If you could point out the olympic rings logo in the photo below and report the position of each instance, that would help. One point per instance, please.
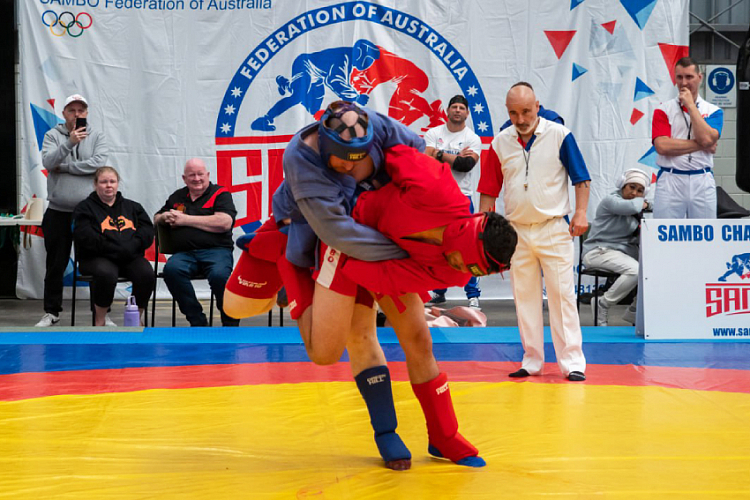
(66, 23)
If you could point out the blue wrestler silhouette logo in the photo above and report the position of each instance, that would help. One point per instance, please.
(739, 265)
(352, 73)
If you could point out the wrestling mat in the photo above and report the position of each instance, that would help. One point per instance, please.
(240, 413)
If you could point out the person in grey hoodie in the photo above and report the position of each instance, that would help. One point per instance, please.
(613, 241)
(71, 153)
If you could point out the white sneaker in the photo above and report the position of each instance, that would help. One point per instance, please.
(474, 302)
(48, 319)
(603, 311)
(629, 315)
(108, 321)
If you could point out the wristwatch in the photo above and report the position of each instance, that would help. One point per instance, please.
(439, 155)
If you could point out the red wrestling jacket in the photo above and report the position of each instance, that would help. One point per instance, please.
(422, 195)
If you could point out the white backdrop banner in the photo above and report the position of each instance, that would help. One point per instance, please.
(710, 259)
(232, 80)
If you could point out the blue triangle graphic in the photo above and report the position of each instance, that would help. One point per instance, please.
(578, 71)
(43, 122)
(641, 90)
(68, 275)
(639, 10)
(649, 158)
(575, 3)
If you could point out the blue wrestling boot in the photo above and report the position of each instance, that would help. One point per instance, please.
(474, 461)
(375, 386)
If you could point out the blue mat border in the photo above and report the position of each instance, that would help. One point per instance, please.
(290, 335)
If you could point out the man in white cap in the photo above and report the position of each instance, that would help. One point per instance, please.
(71, 153)
(612, 244)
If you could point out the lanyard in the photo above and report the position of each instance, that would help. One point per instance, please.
(689, 125)
(526, 158)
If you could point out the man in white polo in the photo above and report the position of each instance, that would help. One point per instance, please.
(685, 132)
(457, 145)
(535, 160)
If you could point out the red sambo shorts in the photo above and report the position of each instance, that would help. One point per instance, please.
(329, 275)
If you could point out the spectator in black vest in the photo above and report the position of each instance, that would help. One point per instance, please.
(201, 216)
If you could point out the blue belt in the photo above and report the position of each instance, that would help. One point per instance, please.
(706, 170)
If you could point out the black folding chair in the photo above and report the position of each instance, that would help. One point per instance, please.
(90, 280)
(281, 317)
(596, 273)
(164, 246)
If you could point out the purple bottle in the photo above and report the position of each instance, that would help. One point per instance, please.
(132, 314)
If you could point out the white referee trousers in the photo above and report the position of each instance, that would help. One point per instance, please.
(680, 196)
(618, 262)
(546, 247)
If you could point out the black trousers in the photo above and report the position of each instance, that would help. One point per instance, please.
(58, 239)
(105, 273)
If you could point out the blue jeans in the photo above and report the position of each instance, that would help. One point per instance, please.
(472, 287)
(215, 264)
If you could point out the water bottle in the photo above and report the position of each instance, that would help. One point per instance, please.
(132, 314)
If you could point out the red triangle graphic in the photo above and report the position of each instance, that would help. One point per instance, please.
(150, 253)
(610, 26)
(51, 103)
(653, 178)
(560, 40)
(637, 115)
(672, 54)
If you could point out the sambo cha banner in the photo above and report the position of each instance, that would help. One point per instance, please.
(232, 80)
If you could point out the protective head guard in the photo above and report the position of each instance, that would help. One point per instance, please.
(330, 142)
(467, 236)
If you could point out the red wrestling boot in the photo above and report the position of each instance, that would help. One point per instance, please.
(442, 427)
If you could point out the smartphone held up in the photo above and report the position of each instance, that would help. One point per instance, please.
(80, 123)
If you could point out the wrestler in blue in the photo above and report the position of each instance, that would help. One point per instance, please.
(327, 165)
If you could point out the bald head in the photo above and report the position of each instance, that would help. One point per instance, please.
(195, 176)
(194, 163)
(523, 109)
(520, 93)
